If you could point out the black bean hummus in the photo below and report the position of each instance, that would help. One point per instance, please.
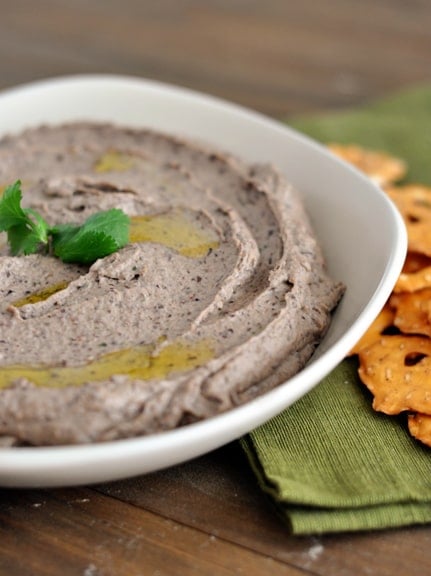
(220, 295)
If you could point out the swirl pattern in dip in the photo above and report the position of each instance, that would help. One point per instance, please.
(220, 295)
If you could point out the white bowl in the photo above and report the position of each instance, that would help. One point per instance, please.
(361, 233)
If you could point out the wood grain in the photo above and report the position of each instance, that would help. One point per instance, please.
(204, 517)
(281, 57)
(213, 488)
(84, 532)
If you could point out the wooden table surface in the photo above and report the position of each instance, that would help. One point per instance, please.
(281, 57)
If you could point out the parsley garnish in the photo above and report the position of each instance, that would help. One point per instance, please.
(27, 232)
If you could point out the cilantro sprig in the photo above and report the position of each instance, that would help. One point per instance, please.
(27, 232)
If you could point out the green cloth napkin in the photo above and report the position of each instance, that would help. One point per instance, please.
(329, 462)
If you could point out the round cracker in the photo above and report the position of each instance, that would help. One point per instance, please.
(416, 273)
(382, 323)
(412, 311)
(381, 167)
(420, 427)
(414, 203)
(397, 371)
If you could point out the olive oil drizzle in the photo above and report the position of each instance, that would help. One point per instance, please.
(174, 230)
(114, 161)
(139, 362)
(40, 295)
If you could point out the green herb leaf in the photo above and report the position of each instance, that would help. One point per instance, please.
(26, 229)
(22, 240)
(11, 212)
(100, 235)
